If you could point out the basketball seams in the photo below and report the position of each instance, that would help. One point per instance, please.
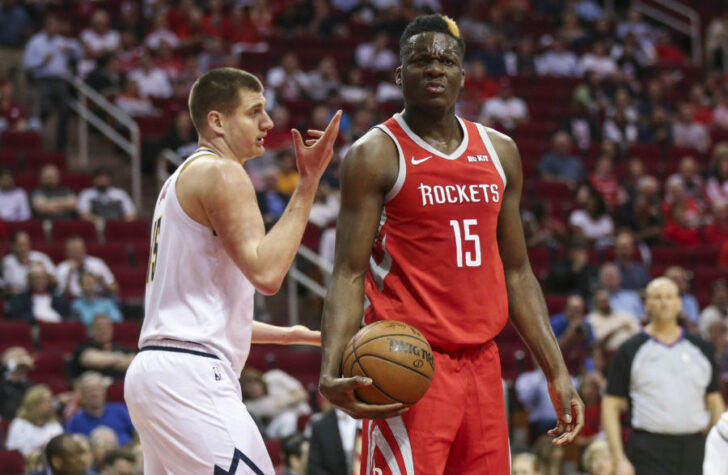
(390, 335)
(393, 362)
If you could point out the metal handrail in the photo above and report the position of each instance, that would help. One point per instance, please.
(131, 146)
(691, 27)
(296, 277)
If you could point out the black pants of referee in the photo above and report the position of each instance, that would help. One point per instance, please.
(663, 454)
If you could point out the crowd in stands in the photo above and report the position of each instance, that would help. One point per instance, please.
(624, 144)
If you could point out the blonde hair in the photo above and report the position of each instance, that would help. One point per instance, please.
(452, 26)
(28, 409)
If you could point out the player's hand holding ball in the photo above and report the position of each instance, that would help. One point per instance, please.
(387, 366)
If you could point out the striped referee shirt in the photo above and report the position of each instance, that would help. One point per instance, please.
(665, 384)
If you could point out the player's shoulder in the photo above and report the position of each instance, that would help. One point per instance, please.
(502, 143)
(372, 144)
(373, 155)
(211, 171)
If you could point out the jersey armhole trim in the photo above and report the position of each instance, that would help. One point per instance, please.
(186, 218)
(402, 172)
(491, 151)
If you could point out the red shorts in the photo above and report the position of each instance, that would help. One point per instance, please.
(458, 427)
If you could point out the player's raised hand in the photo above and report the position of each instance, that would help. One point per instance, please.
(569, 409)
(313, 156)
(340, 392)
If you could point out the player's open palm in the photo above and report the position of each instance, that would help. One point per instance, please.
(569, 409)
(313, 156)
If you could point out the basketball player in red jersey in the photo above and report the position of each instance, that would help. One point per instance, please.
(430, 230)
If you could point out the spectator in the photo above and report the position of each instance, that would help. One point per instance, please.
(559, 164)
(634, 25)
(99, 353)
(287, 173)
(658, 130)
(716, 233)
(107, 77)
(324, 80)
(679, 229)
(119, 462)
(504, 109)
(677, 196)
(214, 55)
(590, 94)
(718, 337)
(631, 61)
(15, 364)
(100, 40)
(532, 391)
(590, 391)
(50, 200)
(14, 204)
(47, 58)
(103, 440)
(667, 52)
(152, 81)
(333, 444)
(272, 202)
(620, 300)
(604, 180)
(557, 61)
(717, 310)
(582, 125)
(701, 104)
(12, 113)
(161, 32)
(38, 303)
(275, 397)
(590, 221)
(690, 306)
(522, 61)
(716, 41)
(655, 372)
(596, 459)
(16, 265)
(479, 86)
(620, 129)
(598, 61)
(95, 411)
(655, 99)
(77, 261)
(132, 102)
(15, 28)
(632, 272)
(573, 274)
(130, 52)
(35, 423)
(571, 30)
(573, 331)
(90, 304)
(240, 31)
(611, 328)
(688, 133)
(689, 173)
(541, 227)
(286, 82)
(526, 463)
(105, 202)
(376, 54)
(354, 91)
(295, 449)
(169, 63)
(720, 113)
(716, 188)
(491, 54)
(67, 454)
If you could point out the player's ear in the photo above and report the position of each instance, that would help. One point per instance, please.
(398, 76)
(462, 77)
(215, 122)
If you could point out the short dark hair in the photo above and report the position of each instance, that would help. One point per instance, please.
(430, 24)
(113, 455)
(291, 446)
(54, 448)
(103, 171)
(219, 90)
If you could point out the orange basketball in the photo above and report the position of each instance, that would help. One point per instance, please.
(396, 357)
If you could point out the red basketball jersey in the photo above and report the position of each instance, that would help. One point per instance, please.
(435, 262)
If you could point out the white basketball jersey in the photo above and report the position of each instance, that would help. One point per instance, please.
(194, 291)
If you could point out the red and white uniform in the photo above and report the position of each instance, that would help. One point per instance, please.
(435, 264)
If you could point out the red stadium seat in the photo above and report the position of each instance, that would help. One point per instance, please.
(35, 159)
(21, 141)
(9, 160)
(63, 336)
(127, 334)
(115, 393)
(11, 462)
(152, 128)
(33, 227)
(274, 450)
(114, 254)
(555, 303)
(707, 256)
(55, 250)
(673, 256)
(132, 281)
(50, 369)
(76, 181)
(126, 230)
(75, 227)
(15, 334)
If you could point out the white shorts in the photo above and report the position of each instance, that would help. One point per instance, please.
(187, 407)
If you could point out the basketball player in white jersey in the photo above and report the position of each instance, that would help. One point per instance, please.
(209, 253)
(716, 448)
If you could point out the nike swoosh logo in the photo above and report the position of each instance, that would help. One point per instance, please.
(421, 160)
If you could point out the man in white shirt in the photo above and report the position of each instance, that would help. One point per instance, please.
(376, 55)
(599, 61)
(505, 108)
(77, 261)
(99, 40)
(16, 265)
(14, 205)
(688, 133)
(610, 328)
(105, 202)
(557, 61)
(152, 81)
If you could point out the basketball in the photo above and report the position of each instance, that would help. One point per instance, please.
(396, 357)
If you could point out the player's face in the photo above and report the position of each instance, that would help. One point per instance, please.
(246, 127)
(432, 73)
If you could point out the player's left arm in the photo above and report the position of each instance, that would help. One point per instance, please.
(526, 303)
(716, 407)
(295, 335)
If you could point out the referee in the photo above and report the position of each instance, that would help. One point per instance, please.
(671, 381)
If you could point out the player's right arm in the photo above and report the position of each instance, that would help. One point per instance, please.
(368, 172)
(611, 410)
(218, 193)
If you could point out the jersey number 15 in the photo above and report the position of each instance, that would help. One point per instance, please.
(471, 258)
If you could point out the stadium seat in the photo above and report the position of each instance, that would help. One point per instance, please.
(63, 336)
(76, 181)
(274, 450)
(21, 141)
(15, 334)
(9, 160)
(35, 159)
(50, 369)
(555, 303)
(152, 128)
(115, 393)
(132, 281)
(11, 462)
(674, 256)
(33, 227)
(706, 256)
(127, 334)
(55, 250)
(125, 231)
(114, 254)
(63, 229)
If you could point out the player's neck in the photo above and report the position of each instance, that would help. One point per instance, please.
(428, 124)
(219, 146)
